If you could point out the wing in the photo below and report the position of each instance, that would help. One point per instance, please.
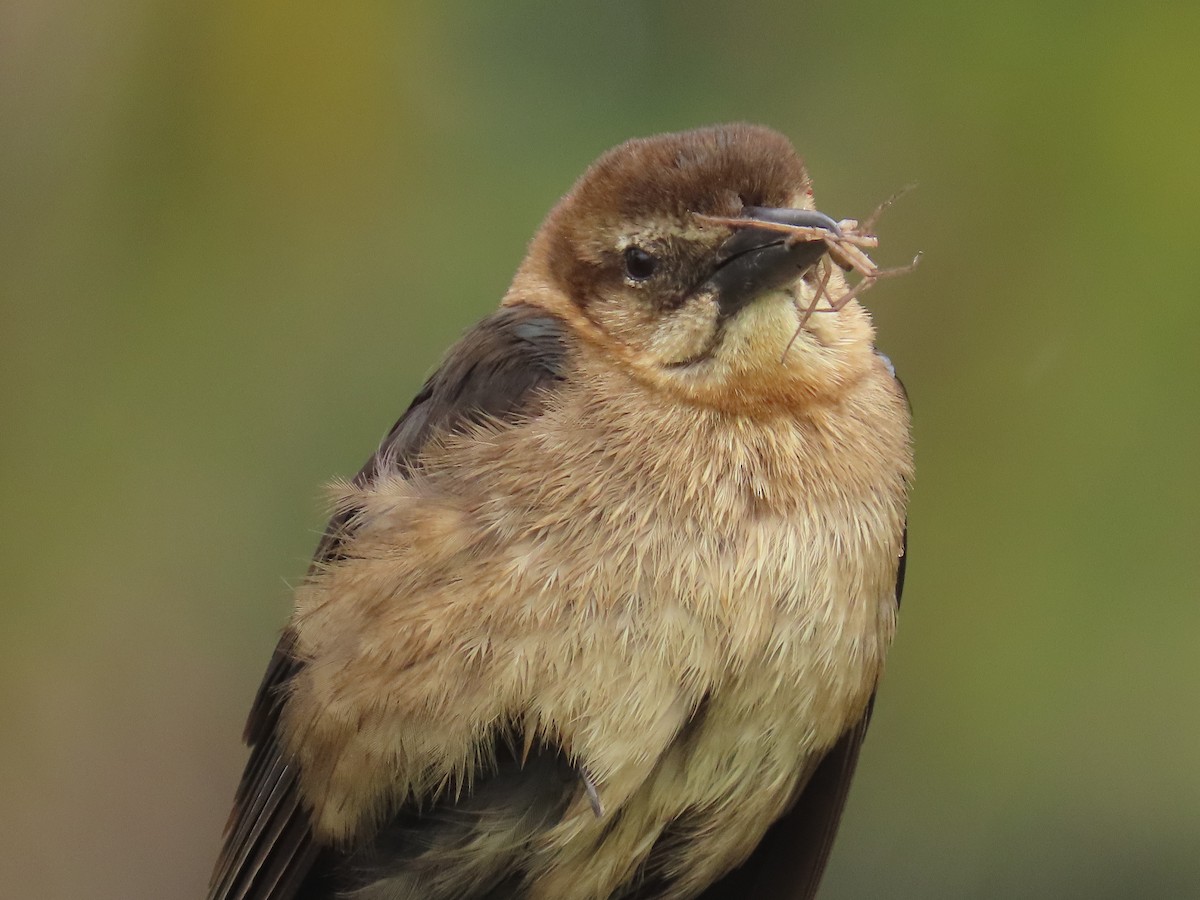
(499, 370)
(789, 861)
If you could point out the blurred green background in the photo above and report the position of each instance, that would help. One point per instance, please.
(235, 235)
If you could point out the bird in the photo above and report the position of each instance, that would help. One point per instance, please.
(605, 614)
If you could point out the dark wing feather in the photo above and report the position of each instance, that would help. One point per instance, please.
(789, 861)
(497, 371)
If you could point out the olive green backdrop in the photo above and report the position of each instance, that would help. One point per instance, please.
(235, 235)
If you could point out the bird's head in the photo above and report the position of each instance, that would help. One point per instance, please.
(700, 308)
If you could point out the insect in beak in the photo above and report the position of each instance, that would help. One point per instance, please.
(846, 244)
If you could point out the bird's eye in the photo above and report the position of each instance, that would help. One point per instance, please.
(640, 264)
